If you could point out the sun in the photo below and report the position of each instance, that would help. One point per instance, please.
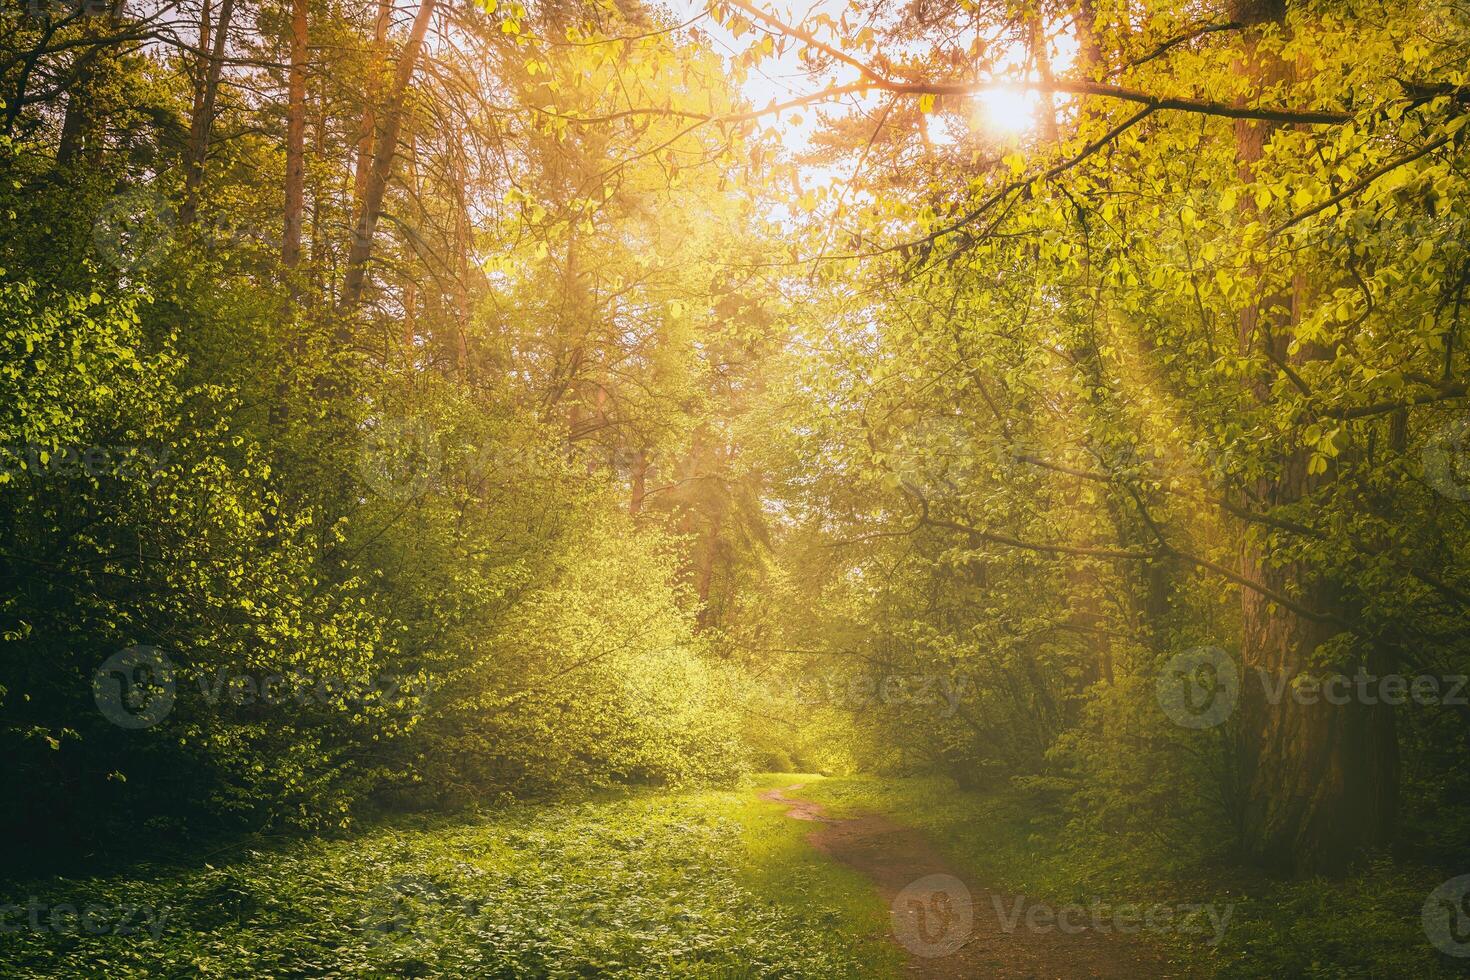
(1006, 109)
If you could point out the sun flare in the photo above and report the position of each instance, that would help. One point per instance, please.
(1006, 110)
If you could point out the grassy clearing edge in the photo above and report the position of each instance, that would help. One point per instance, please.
(697, 883)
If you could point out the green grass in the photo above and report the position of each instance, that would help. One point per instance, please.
(695, 884)
(709, 883)
(1367, 925)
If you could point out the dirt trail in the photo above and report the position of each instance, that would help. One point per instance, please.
(947, 926)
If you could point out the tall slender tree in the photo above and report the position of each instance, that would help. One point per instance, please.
(295, 137)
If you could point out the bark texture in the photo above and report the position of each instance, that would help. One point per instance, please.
(1318, 779)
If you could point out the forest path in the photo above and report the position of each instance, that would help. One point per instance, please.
(947, 926)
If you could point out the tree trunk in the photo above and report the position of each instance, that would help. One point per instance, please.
(638, 483)
(1319, 780)
(708, 554)
(201, 58)
(81, 127)
(74, 125)
(369, 108)
(385, 148)
(410, 297)
(1089, 51)
(295, 138)
(1042, 59)
(203, 120)
(463, 235)
(319, 254)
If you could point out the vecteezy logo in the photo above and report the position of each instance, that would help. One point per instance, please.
(1446, 917)
(400, 457)
(1199, 688)
(134, 688)
(933, 916)
(133, 228)
(1446, 458)
(47, 10)
(395, 907)
(935, 458)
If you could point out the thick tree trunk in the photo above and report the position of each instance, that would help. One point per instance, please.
(295, 138)
(82, 126)
(384, 150)
(75, 123)
(1319, 780)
